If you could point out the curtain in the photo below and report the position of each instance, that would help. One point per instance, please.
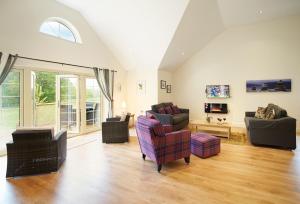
(6, 66)
(105, 79)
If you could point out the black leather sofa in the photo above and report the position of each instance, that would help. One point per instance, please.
(178, 121)
(278, 132)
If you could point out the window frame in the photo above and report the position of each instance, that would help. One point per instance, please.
(65, 23)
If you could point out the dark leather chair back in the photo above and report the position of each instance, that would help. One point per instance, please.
(21, 136)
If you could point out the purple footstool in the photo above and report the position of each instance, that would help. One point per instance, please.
(204, 145)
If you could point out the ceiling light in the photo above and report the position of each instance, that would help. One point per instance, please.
(182, 53)
(260, 12)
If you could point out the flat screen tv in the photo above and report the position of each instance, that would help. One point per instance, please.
(217, 91)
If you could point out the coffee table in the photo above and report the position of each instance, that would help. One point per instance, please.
(217, 129)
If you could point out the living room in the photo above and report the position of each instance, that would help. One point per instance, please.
(193, 100)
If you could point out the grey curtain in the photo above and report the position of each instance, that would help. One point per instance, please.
(105, 79)
(5, 67)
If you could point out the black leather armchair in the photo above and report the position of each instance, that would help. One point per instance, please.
(279, 132)
(35, 152)
(115, 131)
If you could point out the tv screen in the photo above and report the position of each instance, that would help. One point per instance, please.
(217, 91)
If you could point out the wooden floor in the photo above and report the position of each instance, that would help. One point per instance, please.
(115, 173)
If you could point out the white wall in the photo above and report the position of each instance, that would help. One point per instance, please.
(267, 50)
(20, 22)
(139, 103)
(163, 96)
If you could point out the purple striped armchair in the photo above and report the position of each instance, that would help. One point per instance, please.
(160, 144)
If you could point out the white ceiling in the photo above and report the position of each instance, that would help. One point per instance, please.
(137, 32)
(152, 34)
(241, 12)
(200, 24)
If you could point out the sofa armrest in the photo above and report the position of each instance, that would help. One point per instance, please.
(168, 128)
(184, 110)
(164, 119)
(249, 114)
(61, 135)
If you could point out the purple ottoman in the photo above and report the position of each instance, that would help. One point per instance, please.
(204, 145)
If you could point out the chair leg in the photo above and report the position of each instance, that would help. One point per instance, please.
(144, 156)
(159, 167)
(187, 160)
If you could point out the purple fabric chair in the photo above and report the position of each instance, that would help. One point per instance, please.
(160, 144)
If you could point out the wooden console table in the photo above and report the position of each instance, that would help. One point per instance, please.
(221, 130)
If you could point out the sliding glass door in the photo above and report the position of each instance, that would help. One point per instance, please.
(10, 107)
(44, 98)
(67, 94)
(92, 104)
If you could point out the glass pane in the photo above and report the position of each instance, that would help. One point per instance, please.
(9, 108)
(57, 29)
(66, 33)
(50, 28)
(68, 103)
(92, 103)
(45, 99)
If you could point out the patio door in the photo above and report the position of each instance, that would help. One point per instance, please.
(68, 112)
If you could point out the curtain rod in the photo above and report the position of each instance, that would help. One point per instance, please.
(55, 62)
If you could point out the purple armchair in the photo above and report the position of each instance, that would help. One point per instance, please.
(160, 144)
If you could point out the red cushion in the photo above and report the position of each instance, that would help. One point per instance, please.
(161, 110)
(175, 109)
(149, 115)
(168, 110)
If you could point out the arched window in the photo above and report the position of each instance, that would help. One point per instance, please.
(60, 28)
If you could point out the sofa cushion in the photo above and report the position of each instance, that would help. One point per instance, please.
(168, 104)
(279, 112)
(270, 115)
(260, 113)
(161, 110)
(175, 109)
(168, 110)
(157, 106)
(177, 118)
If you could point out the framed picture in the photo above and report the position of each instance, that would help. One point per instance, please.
(169, 89)
(163, 84)
(275, 85)
(141, 87)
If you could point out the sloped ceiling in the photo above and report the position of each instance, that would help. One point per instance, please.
(200, 24)
(241, 12)
(163, 34)
(205, 19)
(137, 32)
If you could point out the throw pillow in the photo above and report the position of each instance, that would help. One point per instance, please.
(161, 110)
(168, 110)
(151, 116)
(260, 113)
(175, 109)
(270, 115)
